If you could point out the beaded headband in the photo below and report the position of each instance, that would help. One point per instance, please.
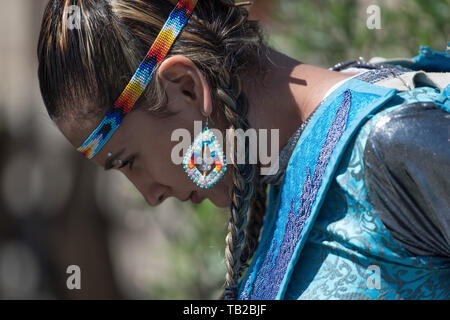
(167, 36)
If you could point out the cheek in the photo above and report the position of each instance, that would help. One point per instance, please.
(158, 160)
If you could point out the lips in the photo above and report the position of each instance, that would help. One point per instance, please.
(188, 198)
(195, 198)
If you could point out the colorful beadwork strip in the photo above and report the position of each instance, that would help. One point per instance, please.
(158, 51)
(207, 176)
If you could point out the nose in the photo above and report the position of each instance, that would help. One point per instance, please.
(156, 194)
(153, 192)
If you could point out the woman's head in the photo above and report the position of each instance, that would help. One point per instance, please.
(82, 71)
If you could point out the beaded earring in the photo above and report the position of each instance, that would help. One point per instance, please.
(198, 154)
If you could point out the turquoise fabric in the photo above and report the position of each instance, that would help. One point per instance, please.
(320, 238)
(348, 241)
(431, 60)
(427, 60)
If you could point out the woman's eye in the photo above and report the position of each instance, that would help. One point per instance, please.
(128, 163)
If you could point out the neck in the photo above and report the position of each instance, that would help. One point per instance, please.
(287, 94)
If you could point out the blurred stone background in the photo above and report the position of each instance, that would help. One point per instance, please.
(57, 209)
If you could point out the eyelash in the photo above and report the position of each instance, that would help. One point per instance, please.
(128, 163)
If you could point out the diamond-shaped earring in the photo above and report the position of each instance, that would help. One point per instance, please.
(208, 175)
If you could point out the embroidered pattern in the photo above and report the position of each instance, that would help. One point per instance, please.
(273, 267)
(348, 237)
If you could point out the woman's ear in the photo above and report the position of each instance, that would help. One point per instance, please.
(181, 79)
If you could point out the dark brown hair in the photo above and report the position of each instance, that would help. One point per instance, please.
(94, 63)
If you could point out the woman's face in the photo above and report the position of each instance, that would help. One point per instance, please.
(143, 141)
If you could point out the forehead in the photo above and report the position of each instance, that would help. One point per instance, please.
(77, 132)
(77, 121)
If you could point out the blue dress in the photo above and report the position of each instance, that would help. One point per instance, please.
(363, 208)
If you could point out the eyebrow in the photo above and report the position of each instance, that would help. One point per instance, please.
(109, 162)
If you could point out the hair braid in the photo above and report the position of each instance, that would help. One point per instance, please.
(254, 226)
(244, 225)
(235, 107)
